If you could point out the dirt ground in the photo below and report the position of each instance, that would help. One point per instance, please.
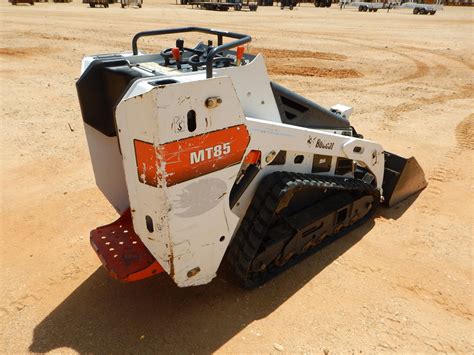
(402, 283)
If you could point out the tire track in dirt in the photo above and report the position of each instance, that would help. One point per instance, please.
(422, 69)
(440, 176)
(440, 299)
(464, 133)
(393, 113)
(444, 56)
(401, 327)
(444, 171)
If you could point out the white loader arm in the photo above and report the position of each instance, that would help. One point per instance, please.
(270, 136)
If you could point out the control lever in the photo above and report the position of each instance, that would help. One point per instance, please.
(239, 55)
(177, 56)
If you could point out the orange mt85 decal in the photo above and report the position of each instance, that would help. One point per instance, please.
(190, 157)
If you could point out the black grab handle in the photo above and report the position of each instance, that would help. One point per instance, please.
(240, 40)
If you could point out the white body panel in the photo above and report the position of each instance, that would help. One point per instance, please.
(108, 168)
(251, 83)
(180, 240)
(193, 223)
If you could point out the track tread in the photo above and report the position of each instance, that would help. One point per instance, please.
(262, 214)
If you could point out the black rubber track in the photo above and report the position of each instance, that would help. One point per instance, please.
(263, 212)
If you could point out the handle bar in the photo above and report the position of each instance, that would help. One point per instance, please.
(240, 40)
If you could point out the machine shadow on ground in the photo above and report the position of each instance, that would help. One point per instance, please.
(397, 211)
(154, 315)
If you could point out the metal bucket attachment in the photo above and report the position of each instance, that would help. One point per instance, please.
(402, 178)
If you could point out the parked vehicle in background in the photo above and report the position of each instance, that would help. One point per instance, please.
(322, 3)
(94, 3)
(14, 2)
(364, 6)
(223, 5)
(288, 3)
(423, 9)
(137, 3)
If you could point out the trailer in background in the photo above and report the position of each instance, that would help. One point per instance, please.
(224, 5)
(94, 3)
(137, 3)
(14, 2)
(421, 8)
(364, 6)
(418, 8)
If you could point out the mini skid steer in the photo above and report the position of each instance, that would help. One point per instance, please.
(204, 157)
